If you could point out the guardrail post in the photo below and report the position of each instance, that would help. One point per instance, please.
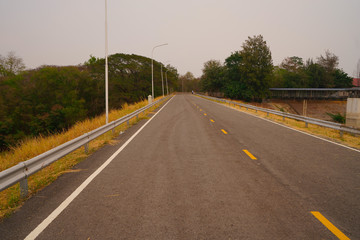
(283, 118)
(24, 188)
(341, 133)
(267, 114)
(256, 110)
(137, 117)
(113, 130)
(86, 147)
(306, 124)
(128, 123)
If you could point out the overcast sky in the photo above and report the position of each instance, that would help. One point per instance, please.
(66, 32)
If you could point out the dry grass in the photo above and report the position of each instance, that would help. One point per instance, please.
(327, 133)
(10, 198)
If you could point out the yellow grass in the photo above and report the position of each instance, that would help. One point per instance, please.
(10, 198)
(328, 133)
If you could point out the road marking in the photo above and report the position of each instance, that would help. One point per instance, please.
(224, 131)
(249, 154)
(329, 225)
(205, 114)
(212, 120)
(311, 135)
(41, 227)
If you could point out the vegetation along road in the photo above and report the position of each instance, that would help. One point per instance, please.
(200, 170)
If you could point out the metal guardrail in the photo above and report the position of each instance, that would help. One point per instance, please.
(21, 171)
(307, 120)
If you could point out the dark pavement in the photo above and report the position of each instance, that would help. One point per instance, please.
(182, 177)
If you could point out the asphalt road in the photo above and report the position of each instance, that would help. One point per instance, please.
(185, 175)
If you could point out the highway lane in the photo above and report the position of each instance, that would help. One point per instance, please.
(186, 176)
(325, 174)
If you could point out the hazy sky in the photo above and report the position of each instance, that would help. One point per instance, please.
(66, 32)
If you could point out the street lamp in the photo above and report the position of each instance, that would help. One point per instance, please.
(162, 81)
(167, 88)
(106, 67)
(152, 68)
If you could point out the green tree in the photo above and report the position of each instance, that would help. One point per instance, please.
(256, 68)
(315, 74)
(212, 77)
(342, 79)
(292, 73)
(233, 87)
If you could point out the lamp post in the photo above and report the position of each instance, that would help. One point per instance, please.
(106, 67)
(152, 68)
(162, 81)
(167, 89)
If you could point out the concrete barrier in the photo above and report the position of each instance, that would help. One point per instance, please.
(353, 112)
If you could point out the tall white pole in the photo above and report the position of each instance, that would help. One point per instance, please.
(167, 88)
(152, 68)
(162, 81)
(106, 67)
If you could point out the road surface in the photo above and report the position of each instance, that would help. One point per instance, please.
(200, 170)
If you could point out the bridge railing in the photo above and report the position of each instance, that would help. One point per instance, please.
(21, 171)
(307, 120)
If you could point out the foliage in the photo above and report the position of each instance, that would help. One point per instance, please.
(246, 74)
(293, 73)
(211, 79)
(337, 117)
(50, 99)
(188, 83)
(256, 67)
(341, 79)
(11, 65)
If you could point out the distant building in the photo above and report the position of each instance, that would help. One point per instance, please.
(356, 82)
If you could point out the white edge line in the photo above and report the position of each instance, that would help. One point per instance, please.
(326, 140)
(41, 227)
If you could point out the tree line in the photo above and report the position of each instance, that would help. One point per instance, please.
(50, 99)
(248, 74)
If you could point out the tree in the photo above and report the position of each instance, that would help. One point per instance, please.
(341, 79)
(315, 74)
(292, 64)
(256, 68)
(172, 77)
(11, 65)
(185, 82)
(233, 86)
(330, 61)
(292, 73)
(212, 77)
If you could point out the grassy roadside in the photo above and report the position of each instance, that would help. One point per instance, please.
(327, 133)
(10, 199)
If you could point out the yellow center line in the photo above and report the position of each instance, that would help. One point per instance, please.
(224, 131)
(249, 154)
(329, 225)
(205, 114)
(212, 120)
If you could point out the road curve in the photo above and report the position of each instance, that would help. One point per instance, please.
(200, 170)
